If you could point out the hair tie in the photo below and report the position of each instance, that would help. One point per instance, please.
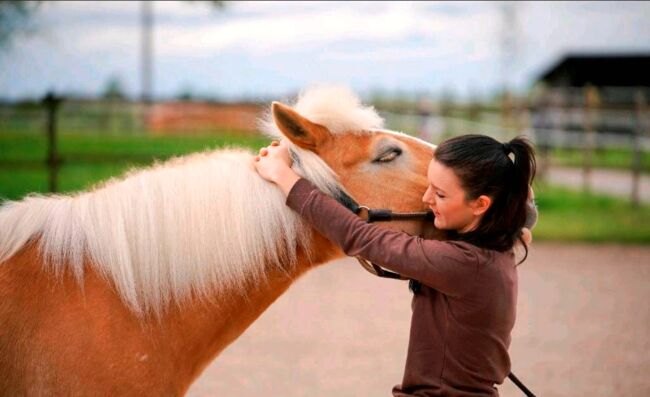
(507, 149)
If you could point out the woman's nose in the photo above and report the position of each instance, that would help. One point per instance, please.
(427, 198)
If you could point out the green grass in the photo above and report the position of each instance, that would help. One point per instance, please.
(19, 147)
(568, 215)
(88, 159)
(16, 183)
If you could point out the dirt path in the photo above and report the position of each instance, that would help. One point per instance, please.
(582, 330)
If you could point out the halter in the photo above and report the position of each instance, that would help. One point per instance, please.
(386, 215)
(380, 215)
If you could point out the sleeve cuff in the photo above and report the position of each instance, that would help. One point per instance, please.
(531, 214)
(299, 193)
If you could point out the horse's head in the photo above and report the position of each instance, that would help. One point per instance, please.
(378, 168)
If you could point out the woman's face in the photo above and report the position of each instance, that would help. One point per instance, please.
(446, 198)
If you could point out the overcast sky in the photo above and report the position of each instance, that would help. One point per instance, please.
(260, 49)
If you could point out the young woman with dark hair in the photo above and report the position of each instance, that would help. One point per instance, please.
(464, 309)
(503, 173)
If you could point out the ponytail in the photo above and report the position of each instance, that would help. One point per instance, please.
(522, 154)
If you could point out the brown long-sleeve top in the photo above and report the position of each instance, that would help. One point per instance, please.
(462, 315)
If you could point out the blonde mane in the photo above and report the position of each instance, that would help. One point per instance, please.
(185, 227)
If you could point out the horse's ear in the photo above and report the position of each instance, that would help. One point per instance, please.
(298, 129)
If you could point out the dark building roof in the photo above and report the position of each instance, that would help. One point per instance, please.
(629, 70)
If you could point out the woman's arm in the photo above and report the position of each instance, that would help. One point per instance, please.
(444, 265)
(448, 266)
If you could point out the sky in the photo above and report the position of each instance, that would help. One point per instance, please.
(274, 49)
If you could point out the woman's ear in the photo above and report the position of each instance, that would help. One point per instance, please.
(481, 204)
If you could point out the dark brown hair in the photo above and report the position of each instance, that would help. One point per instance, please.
(501, 171)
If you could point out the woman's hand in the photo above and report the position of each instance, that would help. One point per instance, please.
(274, 165)
(531, 217)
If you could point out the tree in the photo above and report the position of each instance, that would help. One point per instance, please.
(113, 88)
(15, 19)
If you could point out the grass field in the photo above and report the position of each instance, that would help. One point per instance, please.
(568, 215)
(565, 215)
(88, 159)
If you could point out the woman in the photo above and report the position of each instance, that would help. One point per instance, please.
(465, 306)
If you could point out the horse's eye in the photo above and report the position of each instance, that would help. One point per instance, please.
(388, 156)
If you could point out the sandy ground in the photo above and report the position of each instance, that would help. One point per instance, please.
(582, 330)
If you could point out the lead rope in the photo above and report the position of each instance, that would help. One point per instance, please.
(520, 385)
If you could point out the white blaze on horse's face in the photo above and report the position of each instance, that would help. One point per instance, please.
(378, 168)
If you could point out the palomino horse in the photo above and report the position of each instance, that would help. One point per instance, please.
(132, 288)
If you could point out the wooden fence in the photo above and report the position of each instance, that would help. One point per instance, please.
(584, 119)
(587, 120)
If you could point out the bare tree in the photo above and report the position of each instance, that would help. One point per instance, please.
(15, 20)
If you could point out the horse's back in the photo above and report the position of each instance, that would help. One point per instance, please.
(59, 338)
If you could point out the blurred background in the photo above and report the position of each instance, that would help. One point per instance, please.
(91, 89)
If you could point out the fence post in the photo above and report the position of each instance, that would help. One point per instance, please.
(51, 103)
(506, 115)
(542, 126)
(561, 103)
(636, 147)
(592, 101)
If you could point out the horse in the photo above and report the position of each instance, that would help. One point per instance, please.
(133, 287)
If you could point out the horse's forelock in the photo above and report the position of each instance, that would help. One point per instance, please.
(335, 107)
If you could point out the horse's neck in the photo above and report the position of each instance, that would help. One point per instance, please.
(198, 335)
(73, 337)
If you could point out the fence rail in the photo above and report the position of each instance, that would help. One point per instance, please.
(581, 119)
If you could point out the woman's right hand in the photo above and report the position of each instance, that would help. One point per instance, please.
(273, 161)
(274, 164)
